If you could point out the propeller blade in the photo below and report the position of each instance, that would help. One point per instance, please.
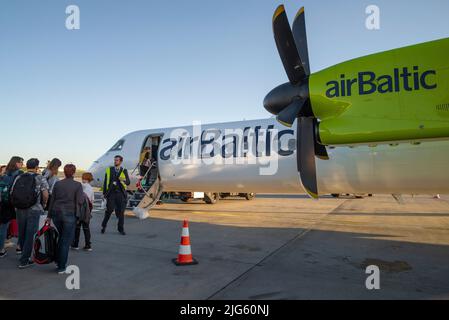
(291, 112)
(306, 158)
(286, 46)
(300, 36)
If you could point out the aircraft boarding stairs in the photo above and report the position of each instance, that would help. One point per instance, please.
(150, 193)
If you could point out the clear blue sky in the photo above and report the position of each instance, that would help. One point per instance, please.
(147, 64)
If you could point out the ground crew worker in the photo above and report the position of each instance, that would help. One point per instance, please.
(114, 190)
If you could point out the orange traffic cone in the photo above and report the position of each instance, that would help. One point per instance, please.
(185, 252)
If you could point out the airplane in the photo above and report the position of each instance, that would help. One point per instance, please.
(374, 124)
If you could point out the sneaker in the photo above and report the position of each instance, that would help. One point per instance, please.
(3, 254)
(87, 248)
(61, 270)
(122, 233)
(9, 244)
(103, 230)
(18, 251)
(76, 248)
(28, 264)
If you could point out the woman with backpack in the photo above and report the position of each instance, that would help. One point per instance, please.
(84, 214)
(67, 198)
(7, 210)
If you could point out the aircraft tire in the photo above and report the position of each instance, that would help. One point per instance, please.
(211, 198)
(186, 199)
(250, 196)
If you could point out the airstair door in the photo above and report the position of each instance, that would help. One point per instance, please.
(152, 188)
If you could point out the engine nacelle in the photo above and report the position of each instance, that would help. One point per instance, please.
(402, 94)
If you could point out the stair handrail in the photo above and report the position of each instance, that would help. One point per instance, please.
(153, 164)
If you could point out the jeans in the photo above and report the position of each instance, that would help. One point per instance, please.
(116, 201)
(65, 222)
(28, 221)
(86, 230)
(3, 234)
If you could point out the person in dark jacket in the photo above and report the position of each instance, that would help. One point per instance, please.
(7, 210)
(85, 214)
(66, 199)
(28, 217)
(114, 191)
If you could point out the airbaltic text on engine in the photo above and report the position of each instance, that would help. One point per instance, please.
(369, 82)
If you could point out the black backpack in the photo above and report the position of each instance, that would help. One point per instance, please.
(45, 245)
(6, 182)
(24, 195)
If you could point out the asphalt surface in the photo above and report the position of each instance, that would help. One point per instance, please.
(274, 247)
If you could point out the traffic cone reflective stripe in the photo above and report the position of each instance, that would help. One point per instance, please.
(185, 251)
(185, 232)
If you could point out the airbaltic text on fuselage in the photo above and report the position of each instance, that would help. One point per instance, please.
(250, 142)
(368, 82)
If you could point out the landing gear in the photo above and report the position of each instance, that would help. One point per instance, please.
(185, 198)
(356, 195)
(247, 196)
(250, 196)
(211, 198)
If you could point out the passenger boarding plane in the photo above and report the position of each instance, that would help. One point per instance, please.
(375, 124)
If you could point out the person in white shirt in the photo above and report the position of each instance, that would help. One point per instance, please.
(87, 188)
(87, 178)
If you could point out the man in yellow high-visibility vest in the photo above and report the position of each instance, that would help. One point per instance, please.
(114, 190)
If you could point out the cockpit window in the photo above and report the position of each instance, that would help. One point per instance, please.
(118, 146)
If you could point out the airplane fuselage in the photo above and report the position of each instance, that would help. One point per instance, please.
(260, 156)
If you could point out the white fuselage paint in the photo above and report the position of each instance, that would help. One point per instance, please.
(404, 168)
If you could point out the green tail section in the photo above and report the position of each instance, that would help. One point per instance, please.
(402, 94)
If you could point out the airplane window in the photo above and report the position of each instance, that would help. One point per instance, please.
(118, 146)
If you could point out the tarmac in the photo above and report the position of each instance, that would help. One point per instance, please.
(274, 247)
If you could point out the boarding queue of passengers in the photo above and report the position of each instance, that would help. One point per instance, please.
(26, 195)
